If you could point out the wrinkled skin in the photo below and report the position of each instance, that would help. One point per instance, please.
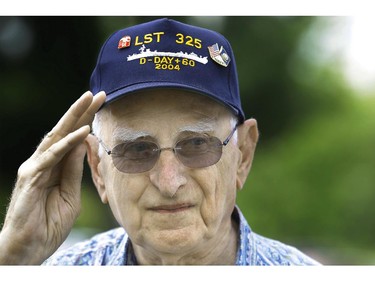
(46, 198)
(172, 213)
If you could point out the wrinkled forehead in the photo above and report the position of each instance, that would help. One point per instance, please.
(166, 107)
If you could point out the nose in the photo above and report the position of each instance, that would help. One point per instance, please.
(168, 173)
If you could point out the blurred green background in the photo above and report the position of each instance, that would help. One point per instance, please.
(312, 183)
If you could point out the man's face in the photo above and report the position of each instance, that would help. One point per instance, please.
(170, 208)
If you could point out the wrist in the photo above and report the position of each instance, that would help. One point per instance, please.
(14, 252)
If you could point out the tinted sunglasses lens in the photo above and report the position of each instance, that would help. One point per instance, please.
(199, 152)
(135, 157)
(141, 156)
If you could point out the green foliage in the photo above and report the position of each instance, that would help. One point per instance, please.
(315, 185)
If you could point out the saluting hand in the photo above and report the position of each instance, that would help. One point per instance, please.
(46, 198)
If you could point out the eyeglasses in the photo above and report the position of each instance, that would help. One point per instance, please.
(141, 155)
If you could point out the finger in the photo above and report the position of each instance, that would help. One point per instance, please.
(88, 116)
(67, 123)
(58, 150)
(71, 177)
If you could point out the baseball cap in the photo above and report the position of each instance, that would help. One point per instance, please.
(166, 53)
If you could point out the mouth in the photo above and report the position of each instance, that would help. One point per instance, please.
(168, 209)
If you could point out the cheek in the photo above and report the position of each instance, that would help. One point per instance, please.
(124, 193)
(227, 175)
(218, 184)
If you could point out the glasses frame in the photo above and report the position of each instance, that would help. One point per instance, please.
(160, 149)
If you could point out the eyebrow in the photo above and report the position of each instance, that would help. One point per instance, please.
(206, 125)
(127, 134)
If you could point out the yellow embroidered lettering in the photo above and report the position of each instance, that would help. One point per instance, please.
(136, 42)
(148, 38)
(164, 60)
(188, 40)
(158, 34)
(180, 38)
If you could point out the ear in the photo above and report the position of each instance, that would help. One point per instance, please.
(93, 160)
(247, 139)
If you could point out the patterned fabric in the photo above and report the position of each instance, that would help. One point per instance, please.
(114, 248)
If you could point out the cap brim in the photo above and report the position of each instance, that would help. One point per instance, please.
(115, 95)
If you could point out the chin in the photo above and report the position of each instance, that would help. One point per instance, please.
(175, 241)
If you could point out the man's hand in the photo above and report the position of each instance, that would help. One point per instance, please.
(46, 199)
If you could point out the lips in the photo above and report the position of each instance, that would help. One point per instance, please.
(175, 208)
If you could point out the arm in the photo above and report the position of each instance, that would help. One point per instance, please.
(46, 198)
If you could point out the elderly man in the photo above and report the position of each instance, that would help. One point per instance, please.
(169, 149)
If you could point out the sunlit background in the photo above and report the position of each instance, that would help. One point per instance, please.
(308, 80)
(349, 40)
(359, 53)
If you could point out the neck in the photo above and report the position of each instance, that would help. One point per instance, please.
(220, 250)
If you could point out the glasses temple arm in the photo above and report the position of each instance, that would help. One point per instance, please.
(107, 150)
(225, 142)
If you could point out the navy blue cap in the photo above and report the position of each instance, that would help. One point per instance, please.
(165, 53)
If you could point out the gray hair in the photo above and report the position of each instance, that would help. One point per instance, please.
(97, 126)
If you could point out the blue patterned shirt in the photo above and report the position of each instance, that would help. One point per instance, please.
(114, 248)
